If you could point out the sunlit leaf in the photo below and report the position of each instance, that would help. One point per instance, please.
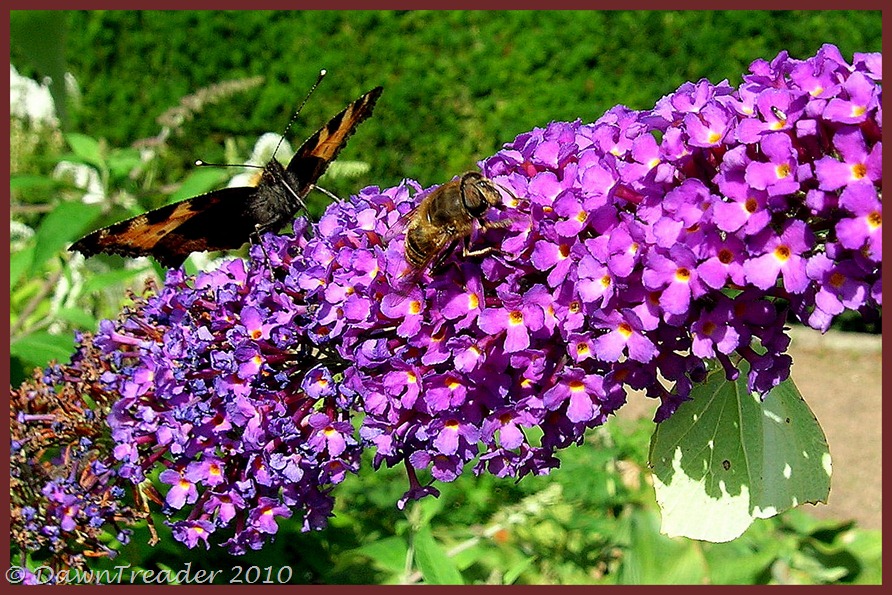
(752, 557)
(38, 349)
(64, 224)
(122, 161)
(78, 318)
(514, 572)
(388, 553)
(725, 458)
(435, 566)
(867, 547)
(19, 261)
(652, 558)
(86, 149)
(28, 181)
(100, 281)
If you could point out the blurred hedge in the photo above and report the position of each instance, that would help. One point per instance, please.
(457, 84)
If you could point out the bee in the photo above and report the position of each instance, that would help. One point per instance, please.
(446, 217)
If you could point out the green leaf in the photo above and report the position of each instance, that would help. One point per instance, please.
(18, 263)
(435, 566)
(867, 547)
(724, 459)
(65, 223)
(514, 572)
(122, 161)
(429, 508)
(656, 559)
(98, 282)
(199, 181)
(37, 349)
(805, 524)
(468, 555)
(78, 318)
(749, 561)
(86, 148)
(388, 553)
(28, 181)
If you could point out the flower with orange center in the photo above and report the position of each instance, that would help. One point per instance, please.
(624, 336)
(776, 174)
(443, 391)
(516, 320)
(579, 347)
(578, 392)
(782, 253)
(782, 256)
(682, 275)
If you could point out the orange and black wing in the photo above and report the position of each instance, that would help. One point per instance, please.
(212, 221)
(313, 157)
(223, 219)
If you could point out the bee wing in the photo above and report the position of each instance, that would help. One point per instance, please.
(444, 239)
(400, 225)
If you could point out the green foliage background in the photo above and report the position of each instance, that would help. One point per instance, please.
(457, 86)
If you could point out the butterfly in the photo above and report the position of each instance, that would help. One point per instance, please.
(227, 218)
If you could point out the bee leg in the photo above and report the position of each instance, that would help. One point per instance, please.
(437, 265)
(496, 224)
(466, 249)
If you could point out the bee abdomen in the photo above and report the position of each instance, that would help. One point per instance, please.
(416, 252)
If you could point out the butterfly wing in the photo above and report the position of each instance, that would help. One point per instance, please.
(313, 157)
(223, 219)
(212, 221)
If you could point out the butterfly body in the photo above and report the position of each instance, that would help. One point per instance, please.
(227, 218)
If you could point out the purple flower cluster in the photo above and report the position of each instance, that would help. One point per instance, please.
(220, 386)
(635, 249)
(66, 495)
(641, 245)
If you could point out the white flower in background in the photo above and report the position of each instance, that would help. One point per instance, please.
(65, 294)
(30, 100)
(262, 153)
(33, 102)
(203, 261)
(19, 234)
(84, 177)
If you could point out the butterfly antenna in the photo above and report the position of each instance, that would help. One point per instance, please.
(322, 74)
(201, 163)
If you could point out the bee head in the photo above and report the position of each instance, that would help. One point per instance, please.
(478, 194)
